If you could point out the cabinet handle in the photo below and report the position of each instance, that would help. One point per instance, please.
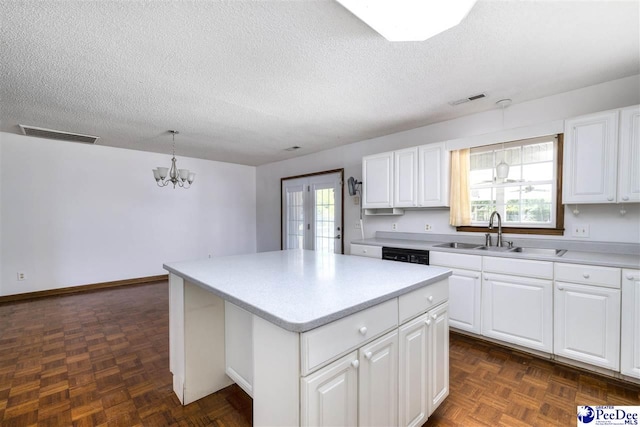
(368, 355)
(625, 198)
(434, 316)
(477, 276)
(364, 251)
(560, 288)
(427, 322)
(585, 275)
(610, 199)
(430, 298)
(486, 277)
(355, 364)
(363, 330)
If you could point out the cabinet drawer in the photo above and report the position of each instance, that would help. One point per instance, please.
(446, 259)
(423, 299)
(588, 275)
(518, 267)
(326, 342)
(366, 250)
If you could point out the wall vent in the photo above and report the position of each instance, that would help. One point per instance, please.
(59, 135)
(471, 98)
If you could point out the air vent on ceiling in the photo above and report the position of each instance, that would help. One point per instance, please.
(471, 98)
(56, 134)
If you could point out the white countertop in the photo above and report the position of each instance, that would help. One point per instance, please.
(301, 290)
(606, 259)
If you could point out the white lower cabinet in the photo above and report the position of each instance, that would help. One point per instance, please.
(330, 395)
(399, 378)
(465, 288)
(360, 388)
(518, 310)
(587, 324)
(423, 366)
(378, 382)
(587, 314)
(630, 333)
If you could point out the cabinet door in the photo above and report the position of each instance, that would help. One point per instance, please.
(464, 300)
(438, 356)
(590, 158)
(518, 310)
(630, 334)
(433, 175)
(413, 400)
(377, 177)
(629, 165)
(587, 324)
(405, 182)
(330, 395)
(378, 382)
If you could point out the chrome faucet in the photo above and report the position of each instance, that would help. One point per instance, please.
(499, 239)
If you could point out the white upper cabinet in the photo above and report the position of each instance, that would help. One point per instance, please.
(433, 175)
(405, 183)
(377, 177)
(629, 165)
(410, 178)
(590, 151)
(601, 157)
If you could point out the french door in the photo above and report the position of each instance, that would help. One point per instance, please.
(312, 212)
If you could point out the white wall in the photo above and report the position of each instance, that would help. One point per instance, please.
(605, 221)
(74, 214)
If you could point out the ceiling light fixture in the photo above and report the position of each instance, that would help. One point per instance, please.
(181, 177)
(502, 168)
(409, 20)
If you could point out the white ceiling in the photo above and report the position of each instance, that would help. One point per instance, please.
(243, 80)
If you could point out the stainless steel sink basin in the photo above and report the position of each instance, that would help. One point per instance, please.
(540, 251)
(522, 250)
(457, 245)
(495, 248)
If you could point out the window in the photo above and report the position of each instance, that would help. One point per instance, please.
(527, 200)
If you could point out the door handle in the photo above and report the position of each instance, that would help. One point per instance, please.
(338, 237)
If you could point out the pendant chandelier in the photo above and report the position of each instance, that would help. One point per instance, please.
(502, 168)
(180, 177)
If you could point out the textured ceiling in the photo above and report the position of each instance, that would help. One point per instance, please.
(243, 80)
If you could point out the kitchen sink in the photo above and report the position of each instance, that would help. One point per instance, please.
(522, 250)
(495, 248)
(457, 245)
(540, 251)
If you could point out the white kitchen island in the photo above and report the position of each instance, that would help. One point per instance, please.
(313, 338)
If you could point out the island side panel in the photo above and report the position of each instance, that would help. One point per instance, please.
(204, 344)
(276, 375)
(176, 334)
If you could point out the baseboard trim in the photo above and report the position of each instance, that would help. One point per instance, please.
(83, 288)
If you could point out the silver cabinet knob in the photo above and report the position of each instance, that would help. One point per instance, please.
(363, 330)
(355, 364)
(368, 355)
(586, 275)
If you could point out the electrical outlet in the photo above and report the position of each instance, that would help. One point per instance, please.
(394, 226)
(580, 230)
(427, 227)
(357, 225)
(21, 275)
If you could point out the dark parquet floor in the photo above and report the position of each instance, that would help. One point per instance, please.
(101, 359)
